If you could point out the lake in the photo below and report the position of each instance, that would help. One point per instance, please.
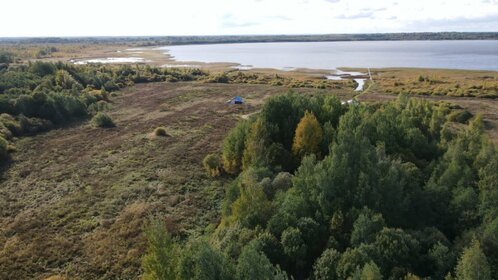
(471, 55)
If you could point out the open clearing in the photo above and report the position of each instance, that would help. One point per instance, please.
(73, 201)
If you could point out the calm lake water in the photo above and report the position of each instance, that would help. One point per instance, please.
(472, 55)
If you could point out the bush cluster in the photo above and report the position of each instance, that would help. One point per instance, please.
(212, 165)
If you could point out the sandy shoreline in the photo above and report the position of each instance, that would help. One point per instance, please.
(158, 56)
(161, 58)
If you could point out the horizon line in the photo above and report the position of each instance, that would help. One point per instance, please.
(245, 35)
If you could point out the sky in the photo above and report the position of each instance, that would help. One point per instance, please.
(52, 18)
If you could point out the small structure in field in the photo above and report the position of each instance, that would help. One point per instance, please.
(236, 100)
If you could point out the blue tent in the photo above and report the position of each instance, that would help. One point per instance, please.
(236, 100)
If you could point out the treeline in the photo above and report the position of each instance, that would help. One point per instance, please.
(242, 77)
(331, 191)
(38, 96)
(181, 40)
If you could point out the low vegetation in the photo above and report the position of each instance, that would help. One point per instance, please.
(458, 83)
(240, 77)
(212, 165)
(102, 120)
(324, 191)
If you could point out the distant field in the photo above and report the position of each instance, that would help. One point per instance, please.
(437, 82)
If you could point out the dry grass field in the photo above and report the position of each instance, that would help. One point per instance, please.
(437, 82)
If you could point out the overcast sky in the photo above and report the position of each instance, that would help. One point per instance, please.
(221, 17)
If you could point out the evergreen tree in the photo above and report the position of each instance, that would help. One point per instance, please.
(473, 264)
(159, 263)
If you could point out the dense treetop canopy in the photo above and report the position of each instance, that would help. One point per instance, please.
(331, 191)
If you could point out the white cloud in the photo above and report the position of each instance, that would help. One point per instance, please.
(198, 17)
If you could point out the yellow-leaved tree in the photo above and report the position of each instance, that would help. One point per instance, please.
(308, 137)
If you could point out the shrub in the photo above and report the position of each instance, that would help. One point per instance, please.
(218, 78)
(4, 148)
(33, 125)
(10, 123)
(102, 120)
(42, 68)
(460, 116)
(212, 165)
(6, 57)
(160, 131)
(98, 106)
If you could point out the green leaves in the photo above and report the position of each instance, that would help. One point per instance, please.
(325, 265)
(383, 202)
(200, 261)
(473, 264)
(308, 136)
(254, 265)
(366, 227)
(160, 261)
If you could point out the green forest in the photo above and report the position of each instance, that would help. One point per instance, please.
(182, 40)
(322, 190)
